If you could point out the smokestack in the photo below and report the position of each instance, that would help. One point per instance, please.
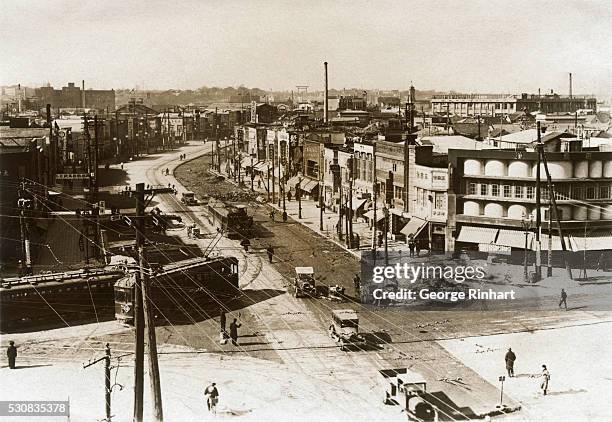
(570, 85)
(83, 93)
(326, 99)
(49, 114)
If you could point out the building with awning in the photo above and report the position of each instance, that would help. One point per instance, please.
(358, 203)
(370, 215)
(514, 239)
(475, 234)
(414, 227)
(309, 185)
(292, 182)
(597, 241)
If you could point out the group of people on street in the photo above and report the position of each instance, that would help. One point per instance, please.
(182, 157)
(510, 358)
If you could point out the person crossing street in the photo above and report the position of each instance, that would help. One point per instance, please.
(212, 395)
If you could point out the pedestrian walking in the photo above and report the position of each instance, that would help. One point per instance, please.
(563, 299)
(212, 397)
(380, 240)
(245, 244)
(510, 358)
(270, 251)
(289, 196)
(122, 165)
(234, 331)
(167, 171)
(417, 248)
(272, 214)
(285, 216)
(11, 353)
(601, 262)
(411, 246)
(357, 282)
(545, 378)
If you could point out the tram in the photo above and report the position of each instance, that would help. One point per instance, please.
(183, 291)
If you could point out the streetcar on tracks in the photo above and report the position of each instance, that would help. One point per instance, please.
(232, 220)
(182, 291)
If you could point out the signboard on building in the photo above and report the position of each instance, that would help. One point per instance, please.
(72, 176)
(253, 112)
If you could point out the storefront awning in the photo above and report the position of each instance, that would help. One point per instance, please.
(358, 203)
(473, 234)
(292, 182)
(308, 185)
(556, 243)
(246, 163)
(514, 239)
(370, 215)
(597, 241)
(399, 212)
(414, 227)
(262, 166)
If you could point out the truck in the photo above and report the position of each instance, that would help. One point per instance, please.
(188, 198)
(304, 282)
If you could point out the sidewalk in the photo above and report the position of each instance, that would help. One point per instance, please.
(311, 218)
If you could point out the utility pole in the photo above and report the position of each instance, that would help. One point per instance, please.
(386, 212)
(273, 179)
(375, 194)
(350, 198)
(143, 316)
(107, 380)
(538, 227)
(549, 271)
(139, 322)
(321, 185)
(556, 212)
(26, 256)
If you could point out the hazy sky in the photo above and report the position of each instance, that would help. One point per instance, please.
(482, 46)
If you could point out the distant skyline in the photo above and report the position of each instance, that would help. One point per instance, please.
(472, 46)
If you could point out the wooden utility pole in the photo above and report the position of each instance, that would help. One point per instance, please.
(321, 186)
(143, 315)
(375, 194)
(556, 213)
(538, 227)
(107, 380)
(139, 322)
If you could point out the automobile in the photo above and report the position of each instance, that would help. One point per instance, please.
(188, 198)
(304, 282)
(344, 329)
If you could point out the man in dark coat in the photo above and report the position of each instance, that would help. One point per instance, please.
(11, 353)
(234, 331)
(510, 358)
(563, 299)
(270, 251)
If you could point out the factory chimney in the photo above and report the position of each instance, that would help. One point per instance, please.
(570, 85)
(326, 99)
(83, 93)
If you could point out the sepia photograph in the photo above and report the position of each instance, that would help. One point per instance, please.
(329, 210)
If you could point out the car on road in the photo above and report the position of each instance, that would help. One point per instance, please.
(345, 329)
(188, 198)
(304, 282)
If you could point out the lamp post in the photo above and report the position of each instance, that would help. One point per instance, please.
(298, 193)
(527, 224)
